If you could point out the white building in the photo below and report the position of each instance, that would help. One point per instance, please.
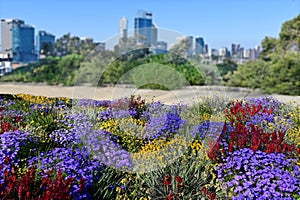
(123, 28)
(5, 64)
(247, 54)
(223, 52)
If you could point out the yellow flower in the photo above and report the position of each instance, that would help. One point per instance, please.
(118, 189)
(124, 180)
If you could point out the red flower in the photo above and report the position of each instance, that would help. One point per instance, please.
(170, 196)
(81, 184)
(212, 196)
(167, 180)
(6, 160)
(178, 179)
(204, 190)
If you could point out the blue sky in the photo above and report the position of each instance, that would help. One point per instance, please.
(220, 22)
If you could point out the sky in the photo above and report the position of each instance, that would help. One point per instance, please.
(219, 22)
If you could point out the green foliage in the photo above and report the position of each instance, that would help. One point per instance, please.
(251, 74)
(51, 70)
(187, 180)
(144, 71)
(92, 69)
(284, 75)
(278, 69)
(289, 36)
(228, 66)
(183, 179)
(269, 45)
(68, 44)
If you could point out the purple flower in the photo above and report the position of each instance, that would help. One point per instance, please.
(266, 175)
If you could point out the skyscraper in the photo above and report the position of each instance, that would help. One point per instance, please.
(191, 44)
(44, 41)
(17, 40)
(199, 49)
(235, 48)
(223, 52)
(6, 35)
(205, 49)
(145, 30)
(123, 27)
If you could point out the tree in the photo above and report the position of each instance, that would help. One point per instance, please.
(289, 35)
(251, 74)
(284, 75)
(181, 48)
(68, 44)
(269, 46)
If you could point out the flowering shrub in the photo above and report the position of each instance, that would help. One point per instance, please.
(259, 175)
(242, 130)
(29, 187)
(130, 149)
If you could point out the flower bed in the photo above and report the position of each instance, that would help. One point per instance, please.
(59, 148)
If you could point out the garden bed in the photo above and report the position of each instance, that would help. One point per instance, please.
(60, 148)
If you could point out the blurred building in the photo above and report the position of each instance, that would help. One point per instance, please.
(205, 49)
(7, 36)
(87, 40)
(223, 52)
(145, 31)
(234, 49)
(199, 48)
(162, 47)
(123, 28)
(17, 40)
(5, 64)
(191, 45)
(246, 53)
(101, 46)
(44, 43)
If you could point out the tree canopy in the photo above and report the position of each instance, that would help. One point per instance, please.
(278, 69)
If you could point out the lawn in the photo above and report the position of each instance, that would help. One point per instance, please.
(60, 148)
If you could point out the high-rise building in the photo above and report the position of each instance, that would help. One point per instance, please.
(7, 36)
(191, 44)
(23, 44)
(246, 54)
(235, 48)
(44, 41)
(213, 52)
(17, 40)
(145, 30)
(199, 49)
(205, 49)
(240, 54)
(252, 54)
(223, 52)
(153, 35)
(123, 28)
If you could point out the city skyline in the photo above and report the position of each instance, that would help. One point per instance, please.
(247, 23)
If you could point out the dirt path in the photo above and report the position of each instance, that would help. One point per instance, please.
(187, 95)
